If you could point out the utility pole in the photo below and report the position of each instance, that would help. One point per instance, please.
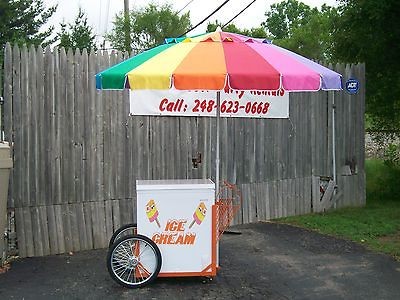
(127, 27)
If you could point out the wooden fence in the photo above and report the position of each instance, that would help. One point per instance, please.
(77, 153)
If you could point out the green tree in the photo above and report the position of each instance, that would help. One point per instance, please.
(285, 17)
(21, 21)
(297, 27)
(148, 27)
(257, 32)
(369, 31)
(77, 35)
(313, 39)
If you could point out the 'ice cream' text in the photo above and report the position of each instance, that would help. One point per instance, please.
(174, 233)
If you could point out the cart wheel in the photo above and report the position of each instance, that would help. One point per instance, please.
(134, 261)
(123, 231)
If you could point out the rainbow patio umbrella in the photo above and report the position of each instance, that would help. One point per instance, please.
(215, 61)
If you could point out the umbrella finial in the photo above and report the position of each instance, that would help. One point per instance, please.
(218, 29)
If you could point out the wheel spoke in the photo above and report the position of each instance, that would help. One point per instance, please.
(121, 271)
(119, 257)
(122, 254)
(129, 274)
(141, 267)
(140, 274)
(145, 248)
(123, 251)
(120, 260)
(120, 267)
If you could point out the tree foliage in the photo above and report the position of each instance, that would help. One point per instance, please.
(21, 20)
(77, 35)
(148, 27)
(307, 31)
(256, 32)
(314, 39)
(369, 31)
(285, 17)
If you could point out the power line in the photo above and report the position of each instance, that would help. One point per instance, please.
(206, 18)
(238, 13)
(185, 6)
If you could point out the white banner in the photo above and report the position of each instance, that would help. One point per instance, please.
(249, 104)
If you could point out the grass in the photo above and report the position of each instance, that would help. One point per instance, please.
(377, 225)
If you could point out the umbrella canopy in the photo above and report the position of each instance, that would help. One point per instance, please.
(219, 60)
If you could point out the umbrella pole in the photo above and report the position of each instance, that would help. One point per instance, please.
(333, 138)
(217, 148)
(334, 143)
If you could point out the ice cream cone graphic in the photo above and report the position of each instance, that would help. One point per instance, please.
(199, 214)
(152, 212)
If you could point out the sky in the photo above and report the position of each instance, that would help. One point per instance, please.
(101, 13)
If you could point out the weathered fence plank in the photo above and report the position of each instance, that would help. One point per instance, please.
(67, 228)
(52, 229)
(31, 72)
(108, 211)
(24, 118)
(27, 224)
(73, 216)
(60, 229)
(9, 63)
(19, 218)
(78, 119)
(36, 231)
(6, 119)
(59, 111)
(89, 224)
(47, 158)
(81, 226)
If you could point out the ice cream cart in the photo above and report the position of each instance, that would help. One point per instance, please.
(179, 223)
(217, 61)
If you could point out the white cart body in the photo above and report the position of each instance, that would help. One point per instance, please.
(179, 216)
